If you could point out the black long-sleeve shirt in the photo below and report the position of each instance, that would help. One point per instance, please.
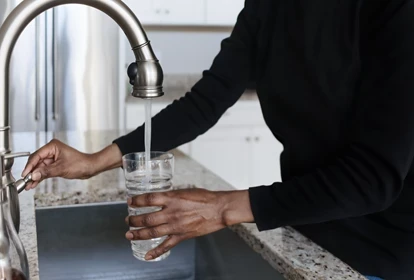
(335, 80)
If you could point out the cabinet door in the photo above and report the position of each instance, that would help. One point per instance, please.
(180, 12)
(265, 164)
(223, 12)
(225, 151)
(145, 11)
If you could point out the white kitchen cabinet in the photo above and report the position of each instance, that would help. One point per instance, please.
(240, 148)
(265, 151)
(144, 10)
(226, 152)
(135, 117)
(180, 12)
(244, 156)
(135, 112)
(168, 12)
(223, 12)
(186, 12)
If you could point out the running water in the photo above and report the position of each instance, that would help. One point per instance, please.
(145, 184)
(148, 141)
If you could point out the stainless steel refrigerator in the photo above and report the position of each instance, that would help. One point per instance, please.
(65, 71)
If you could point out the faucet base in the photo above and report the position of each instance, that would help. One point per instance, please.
(13, 198)
(8, 181)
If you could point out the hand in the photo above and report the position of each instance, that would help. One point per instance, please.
(186, 214)
(57, 159)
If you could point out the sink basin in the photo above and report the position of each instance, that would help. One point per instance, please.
(87, 242)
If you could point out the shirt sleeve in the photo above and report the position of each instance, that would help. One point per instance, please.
(219, 88)
(369, 176)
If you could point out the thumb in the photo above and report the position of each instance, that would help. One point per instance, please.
(36, 176)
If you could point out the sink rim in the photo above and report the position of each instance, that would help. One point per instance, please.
(92, 204)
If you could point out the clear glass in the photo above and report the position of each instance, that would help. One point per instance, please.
(15, 265)
(136, 176)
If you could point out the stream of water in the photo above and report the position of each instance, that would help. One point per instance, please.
(148, 125)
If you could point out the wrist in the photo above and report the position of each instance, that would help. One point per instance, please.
(92, 166)
(236, 208)
(106, 159)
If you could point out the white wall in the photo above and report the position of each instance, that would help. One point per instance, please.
(183, 50)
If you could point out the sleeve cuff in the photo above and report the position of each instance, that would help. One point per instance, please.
(263, 207)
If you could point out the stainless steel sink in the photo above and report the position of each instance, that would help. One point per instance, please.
(87, 242)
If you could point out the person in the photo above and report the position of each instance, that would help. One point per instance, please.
(335, 80)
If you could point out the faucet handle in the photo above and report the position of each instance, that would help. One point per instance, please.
(8, 159)
(16, 155)
(22, 183)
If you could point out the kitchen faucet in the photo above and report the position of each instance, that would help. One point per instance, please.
(145, 74)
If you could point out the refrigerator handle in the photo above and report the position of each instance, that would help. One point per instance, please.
(55, 97)
(39, 69)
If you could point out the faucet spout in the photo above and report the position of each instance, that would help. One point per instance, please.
(145, 74)
(149, 77)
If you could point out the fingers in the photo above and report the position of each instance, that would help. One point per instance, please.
(148, 199)
(164, 247)
(37, 176)
(147, 220)
(149, 233)
(45, 171)
(46, 152)
(49, 171)
(32, 185)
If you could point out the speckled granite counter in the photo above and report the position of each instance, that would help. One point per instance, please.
(28, 232)
(290, 253)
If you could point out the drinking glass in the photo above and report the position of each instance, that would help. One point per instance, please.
(139, 180)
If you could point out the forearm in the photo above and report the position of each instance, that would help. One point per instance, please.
(106, 159)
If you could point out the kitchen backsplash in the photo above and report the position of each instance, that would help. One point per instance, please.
(175, 86)
(181, 81)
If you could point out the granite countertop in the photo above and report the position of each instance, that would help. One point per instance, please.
(289, 252)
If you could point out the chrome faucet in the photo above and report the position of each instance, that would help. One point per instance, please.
(145, 74)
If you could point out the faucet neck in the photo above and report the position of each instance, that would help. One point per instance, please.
(27, 10)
